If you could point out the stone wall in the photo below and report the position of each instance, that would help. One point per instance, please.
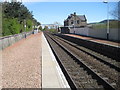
(9, 40)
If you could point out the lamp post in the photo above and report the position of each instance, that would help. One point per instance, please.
(74, 24)
(108, 27)
(25, 27)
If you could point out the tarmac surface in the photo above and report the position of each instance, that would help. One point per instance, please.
(95, 40)
(52, 75)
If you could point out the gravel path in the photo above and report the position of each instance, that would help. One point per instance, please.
(21, 63)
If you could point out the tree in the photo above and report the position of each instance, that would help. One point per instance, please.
(16, 16)
(40, 28)
(116, 12)
(45, 28)
(11, 26)
(57, 24)
(0, 19)
(38, 23)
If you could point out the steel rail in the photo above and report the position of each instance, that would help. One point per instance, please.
(71, 82)
(106, 84)
(93, 55)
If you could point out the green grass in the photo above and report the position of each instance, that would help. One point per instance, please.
(99, 26)
(53, 30)
(112, 24)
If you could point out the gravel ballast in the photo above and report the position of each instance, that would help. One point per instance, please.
(21, 63)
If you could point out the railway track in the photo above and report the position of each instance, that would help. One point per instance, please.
(104, 59)
(81, 67)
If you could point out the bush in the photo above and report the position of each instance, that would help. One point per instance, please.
(10, 26)
(14, 14)
(29, 25)
(53, 30)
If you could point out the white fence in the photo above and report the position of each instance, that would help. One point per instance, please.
(114, 34)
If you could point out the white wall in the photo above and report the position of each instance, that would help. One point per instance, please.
(82, 31)
(114, 34)
(97, 33)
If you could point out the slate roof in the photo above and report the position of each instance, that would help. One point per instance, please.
(82, 17)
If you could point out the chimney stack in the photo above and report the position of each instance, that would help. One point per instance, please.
(74, 13)
(71, 14)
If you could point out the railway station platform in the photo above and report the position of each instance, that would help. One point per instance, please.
(111, 43)
(30, 63)
(52, 76)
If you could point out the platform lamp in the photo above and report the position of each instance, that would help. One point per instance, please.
(25, 27)
(108, 28)
(73, 28)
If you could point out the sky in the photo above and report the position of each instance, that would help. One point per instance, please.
(63, 0)
(50, 12)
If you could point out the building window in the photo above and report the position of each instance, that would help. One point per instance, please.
(82, 21)
(78, 21)
(71, 21)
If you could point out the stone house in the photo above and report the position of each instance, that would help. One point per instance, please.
(74, 20)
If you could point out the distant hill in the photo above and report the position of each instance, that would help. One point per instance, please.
(111, 20)
(94, 23)
(104, 21)
(103, 24)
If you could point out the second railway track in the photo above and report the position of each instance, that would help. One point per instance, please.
(83, 70)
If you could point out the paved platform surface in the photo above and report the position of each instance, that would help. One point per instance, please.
(21, 63)
(30, 63)
(95, 40)
(52, 76)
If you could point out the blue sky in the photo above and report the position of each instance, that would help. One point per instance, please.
(50, 12)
